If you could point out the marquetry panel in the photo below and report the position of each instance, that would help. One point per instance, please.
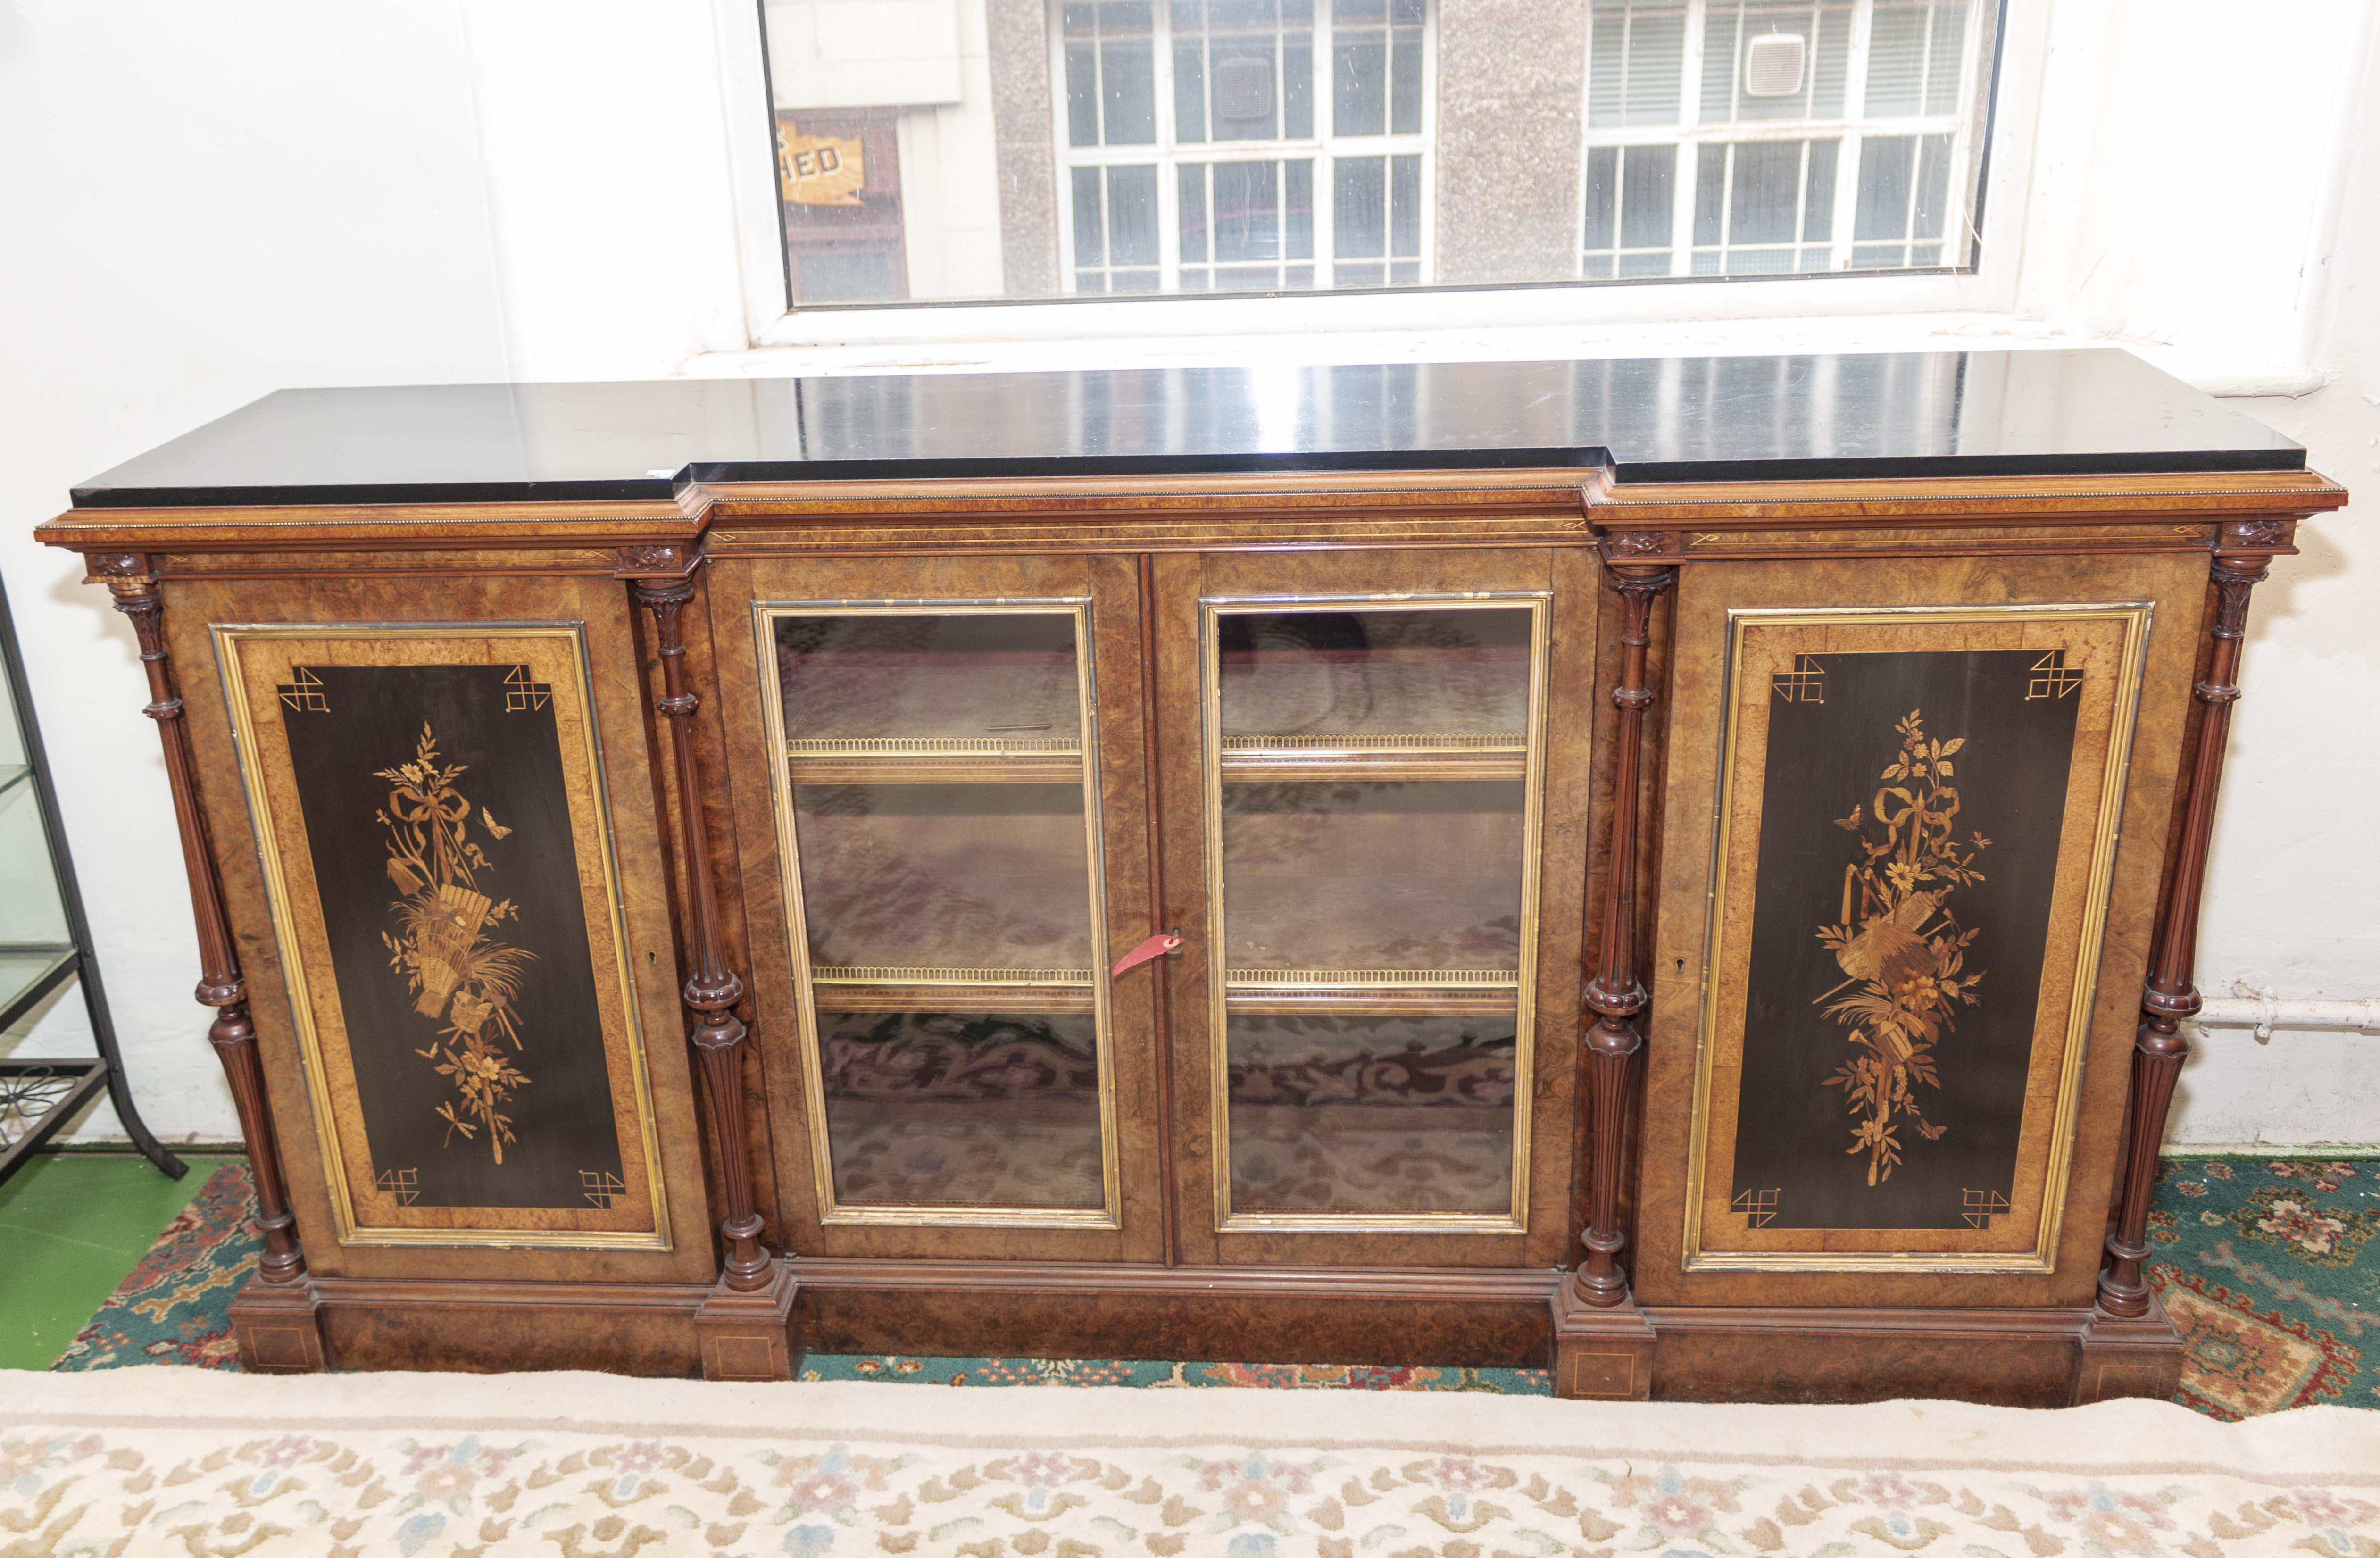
(430, 811)
(1917, 815)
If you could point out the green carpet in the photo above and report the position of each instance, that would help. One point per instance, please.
(72, 1224)
(2267, 1265)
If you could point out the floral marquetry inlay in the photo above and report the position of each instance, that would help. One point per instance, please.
(1900, 946)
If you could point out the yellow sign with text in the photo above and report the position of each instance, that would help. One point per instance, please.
(820, 169)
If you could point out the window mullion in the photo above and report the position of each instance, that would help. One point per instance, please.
(1063, 148)
(1800, 204)
(1426, 185)
(1325, 130)
(1847, 161)
(1690, 111)
(1168, 193)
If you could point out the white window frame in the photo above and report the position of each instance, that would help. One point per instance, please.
(1691, 133)
(1168, 153)
(1860, 311)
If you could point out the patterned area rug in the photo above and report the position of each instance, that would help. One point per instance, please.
(574, 1465)
(2269, 1266)
(2264, 1265)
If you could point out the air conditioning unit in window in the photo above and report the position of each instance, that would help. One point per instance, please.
(1772, 64)
(1244, 87)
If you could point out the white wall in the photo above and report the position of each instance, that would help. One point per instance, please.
(210, 199)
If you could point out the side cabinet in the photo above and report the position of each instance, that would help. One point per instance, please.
(1708, 938)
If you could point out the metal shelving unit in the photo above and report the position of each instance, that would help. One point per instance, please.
(45, 941)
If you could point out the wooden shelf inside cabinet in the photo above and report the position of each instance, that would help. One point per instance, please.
(972, 990)
(1417, 755)
(935, 760)
(1372, 992)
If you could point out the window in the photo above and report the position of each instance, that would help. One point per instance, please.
(938, 150)
(1198, 133)
(1743, 137)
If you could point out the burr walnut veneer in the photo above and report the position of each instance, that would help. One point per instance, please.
(1683, 870)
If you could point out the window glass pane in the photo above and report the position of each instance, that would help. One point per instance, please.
(1128, 92)
(1650, 174)
(1818, 202)
(1132, 216)
(1297, 86)
(1405, 73)
(1606, 60)
(1358, 207)
(1722, 35)
(1886, 167)
(1082, 93)
(1765, 198)
(1933, 185)
(1359, 86)
(1143, 100)
(1247, 211)
(1944, 47)
(1299, 201)
(1830, 64)
(1405, 205)
(1193, 216)
(1711, 192)
(1602, 197)
(1189, 91)
(1896, 60)
(1090, 224)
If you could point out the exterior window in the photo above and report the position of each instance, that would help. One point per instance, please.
(944, 150)
(1746, 138)
(1243, 145)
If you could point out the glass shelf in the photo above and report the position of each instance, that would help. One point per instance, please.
(38, 1095)
(935, 760)
(1441, 755)
(45, 941)
(25, 970)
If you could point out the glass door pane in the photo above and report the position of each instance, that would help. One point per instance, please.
(1373, 798)
(938, 802)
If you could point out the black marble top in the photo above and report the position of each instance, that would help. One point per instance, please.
(1656, 419)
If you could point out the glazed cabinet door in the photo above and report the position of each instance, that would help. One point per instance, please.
(1374, 1040)
(940, 766)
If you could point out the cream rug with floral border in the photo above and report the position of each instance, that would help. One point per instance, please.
(153, 1461)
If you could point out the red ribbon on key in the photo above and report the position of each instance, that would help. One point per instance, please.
(1148, 951)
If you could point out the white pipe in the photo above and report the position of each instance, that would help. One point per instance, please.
(2257, 1007)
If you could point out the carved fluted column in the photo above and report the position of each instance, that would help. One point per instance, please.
(1602, 1345)
(711, 988)
(2128, 1347)
(220, 986)
(744, 1327)
(2242, 549)
(1615, 994)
